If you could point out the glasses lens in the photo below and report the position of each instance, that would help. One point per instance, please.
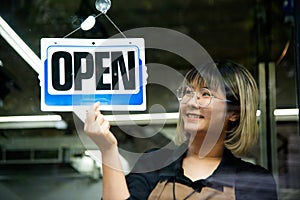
(203, 97)
(181, 93)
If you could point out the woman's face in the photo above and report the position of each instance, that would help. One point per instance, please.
(201, 120)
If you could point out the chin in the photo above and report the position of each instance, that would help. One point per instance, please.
(191, 129)
(194, 128)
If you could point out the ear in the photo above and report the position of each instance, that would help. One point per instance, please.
(233, 116)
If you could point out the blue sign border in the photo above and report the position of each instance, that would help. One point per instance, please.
(86, 99)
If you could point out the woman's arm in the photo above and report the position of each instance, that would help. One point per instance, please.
(114, 182)
(97, 128)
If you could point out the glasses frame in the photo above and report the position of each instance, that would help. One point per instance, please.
(180, 95)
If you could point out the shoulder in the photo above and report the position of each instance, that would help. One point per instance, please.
(251, 181)
(242, 167)
(248, 167)
(254, 181)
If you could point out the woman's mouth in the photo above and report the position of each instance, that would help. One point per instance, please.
(194, 116)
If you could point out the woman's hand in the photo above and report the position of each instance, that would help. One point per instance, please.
(97, 128)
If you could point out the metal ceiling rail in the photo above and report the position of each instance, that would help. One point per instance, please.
(20, 46)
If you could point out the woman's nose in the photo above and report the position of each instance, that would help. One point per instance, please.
(193, 102)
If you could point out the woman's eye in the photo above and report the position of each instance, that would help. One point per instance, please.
(205, 94)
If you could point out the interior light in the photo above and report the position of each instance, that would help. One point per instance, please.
(284, 112)
(31, 118)
(32, 122)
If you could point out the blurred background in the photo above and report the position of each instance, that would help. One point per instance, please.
(42, 155)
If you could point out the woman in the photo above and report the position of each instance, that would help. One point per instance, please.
(218, 104)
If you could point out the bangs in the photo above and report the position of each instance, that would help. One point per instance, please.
(207, 76)
(195, 79)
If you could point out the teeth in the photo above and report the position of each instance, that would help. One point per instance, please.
(194, 116)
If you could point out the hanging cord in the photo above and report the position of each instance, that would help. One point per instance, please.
(72, 32)
(116, 27)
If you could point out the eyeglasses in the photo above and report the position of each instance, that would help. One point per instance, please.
(203, 96)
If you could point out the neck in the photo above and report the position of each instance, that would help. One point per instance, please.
(203, 149)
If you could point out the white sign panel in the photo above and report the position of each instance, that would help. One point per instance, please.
(82, 71)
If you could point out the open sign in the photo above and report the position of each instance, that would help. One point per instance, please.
(82, 71)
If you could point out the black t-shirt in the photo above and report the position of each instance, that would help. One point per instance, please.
(248, 180)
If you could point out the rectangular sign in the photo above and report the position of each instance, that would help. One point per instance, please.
(82, 71)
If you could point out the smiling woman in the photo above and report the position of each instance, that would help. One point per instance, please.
(240, 93)
(215, 125)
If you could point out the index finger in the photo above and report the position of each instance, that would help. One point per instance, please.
(96, 106)
(91, 112)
